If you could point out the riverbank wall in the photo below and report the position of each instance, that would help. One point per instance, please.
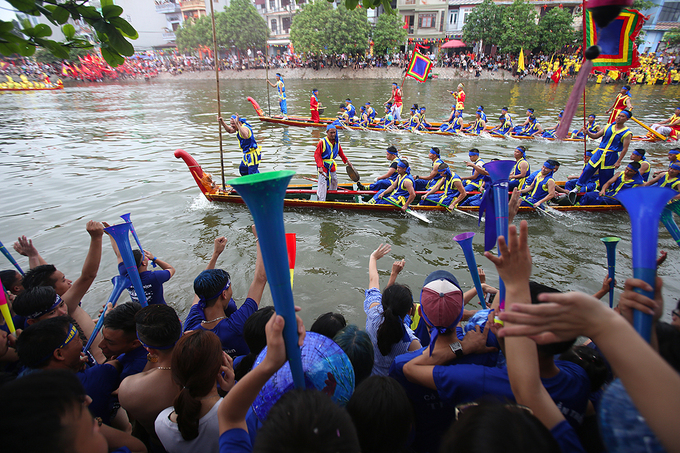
(393, 74)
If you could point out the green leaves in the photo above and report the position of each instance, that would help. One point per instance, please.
(319, 28)
(111, 29)
(388, 33)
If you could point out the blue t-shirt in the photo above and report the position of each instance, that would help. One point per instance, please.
(152, 281)
(133, 362)
(566, 437)
(99, 382)
(461, 383)
(229, 330)
(432, 416)
(235, 441)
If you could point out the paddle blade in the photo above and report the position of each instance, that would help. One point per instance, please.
(418, 216)
(352, 173)
(291, 248)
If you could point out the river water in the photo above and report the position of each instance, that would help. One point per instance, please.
(96, 151)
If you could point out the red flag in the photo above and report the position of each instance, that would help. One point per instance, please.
(557, 75)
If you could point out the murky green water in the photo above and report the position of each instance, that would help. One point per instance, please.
(99, 151)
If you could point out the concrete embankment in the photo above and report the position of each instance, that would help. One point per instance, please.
(345, 74)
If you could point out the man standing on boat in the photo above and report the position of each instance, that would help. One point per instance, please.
(326, 152)
(621, 102)
(314, 105)
(281, 90)
(395, 99)
(608, 156)
(459, 95)
(251, 150)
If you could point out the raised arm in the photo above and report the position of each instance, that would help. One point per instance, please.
(397, 267)
(74, 295)
(220, 244)
(25, 247)
(233, 409)
(260, 278)
(514, 267)
(162, 264)
(373, 276)
(651, 383)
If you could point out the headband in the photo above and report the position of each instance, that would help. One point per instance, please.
(402, 164)
(522, 150)
(637, 153)
(432, 151)
(547, 164)
(589, 153)
(37, 314)
(396, 153)
(530, 110)
(633, 168)
(627, 113)
(473, 153)
(72, 333)
(159, 348)
(674, 151)
(216, 295)
(331, 126)
(674, 166)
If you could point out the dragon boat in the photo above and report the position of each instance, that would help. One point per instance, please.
(297, 121)
(346, 197)
(27, 85)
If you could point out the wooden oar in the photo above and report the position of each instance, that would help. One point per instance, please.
(540, 210)
(456, 209)
(649, 129)
(408, 210)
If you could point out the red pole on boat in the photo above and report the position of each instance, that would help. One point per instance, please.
(583, 46)
(217, 83)
(269, 107)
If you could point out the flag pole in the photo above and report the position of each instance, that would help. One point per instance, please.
(217, 83)
(583, 48)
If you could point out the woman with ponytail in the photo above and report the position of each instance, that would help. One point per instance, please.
(385, 313)
(198, 366)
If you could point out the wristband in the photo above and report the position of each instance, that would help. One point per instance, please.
(154, 260)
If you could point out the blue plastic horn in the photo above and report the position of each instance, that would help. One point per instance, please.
(10, 258)
(121, 234)
(119, 284)
(126, 217)
(644, 206)
(465, 242)
(669, 222)
(611, 243)
(263, 193)
(499, 172)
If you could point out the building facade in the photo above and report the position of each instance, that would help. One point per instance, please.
(424, 19)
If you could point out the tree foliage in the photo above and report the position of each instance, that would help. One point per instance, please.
(319, 28)
(241, 26)
(484, 23)
(519, 29)
(195, 33)
(555, 30)
(111, 30)
(672, 37)
(388, 33)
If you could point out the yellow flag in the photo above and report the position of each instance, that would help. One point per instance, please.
(520, 61)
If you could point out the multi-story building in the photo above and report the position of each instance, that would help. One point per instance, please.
(457, 16)
(663, 17)
(425, 19)
(279, 16)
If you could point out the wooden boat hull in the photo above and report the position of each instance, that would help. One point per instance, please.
(323, 122)
(298, 195)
